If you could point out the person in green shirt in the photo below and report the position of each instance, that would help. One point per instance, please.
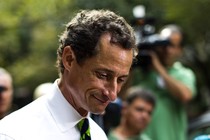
(135, 116)
(173, 85)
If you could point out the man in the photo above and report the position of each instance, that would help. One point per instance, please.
(6, 92)
(94, 59)
(136, 114)
(172, 83)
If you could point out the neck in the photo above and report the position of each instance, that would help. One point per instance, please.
(68, 96)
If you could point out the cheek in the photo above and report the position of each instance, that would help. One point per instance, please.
(172, 51)
(133, 118)
(133, 114)
(7, 96)
(148, 119)
(91, 87)
(94, 82)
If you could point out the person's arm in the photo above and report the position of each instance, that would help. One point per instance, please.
(175, 87)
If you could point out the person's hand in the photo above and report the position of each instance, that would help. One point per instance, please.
(155, 61)
(175, 87)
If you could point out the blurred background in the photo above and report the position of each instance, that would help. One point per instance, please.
(29, 32)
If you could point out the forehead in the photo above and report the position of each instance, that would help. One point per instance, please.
(5, 80)
(108, 49)
(112, 55)
(141, 102)
(176, 37)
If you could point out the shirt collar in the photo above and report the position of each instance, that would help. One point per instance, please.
(63, 113)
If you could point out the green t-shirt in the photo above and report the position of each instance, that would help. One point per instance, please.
(169, 120)
(113, 136)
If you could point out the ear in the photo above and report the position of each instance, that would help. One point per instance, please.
(68, 57)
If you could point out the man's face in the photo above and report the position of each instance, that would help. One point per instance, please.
(138, 114)
(96, 83)
(5, 95)
(168, 55)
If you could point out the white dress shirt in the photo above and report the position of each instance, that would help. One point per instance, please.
(50, 117)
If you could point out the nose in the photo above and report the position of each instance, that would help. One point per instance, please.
(112, 89)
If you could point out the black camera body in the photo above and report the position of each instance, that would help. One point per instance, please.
(147, 40)
(147, 44)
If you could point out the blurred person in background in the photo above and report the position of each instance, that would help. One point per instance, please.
(173, 84)
(94, 59)
(135, 115)
(41, 90)
(6, 93)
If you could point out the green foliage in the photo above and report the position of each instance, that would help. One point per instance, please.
(29, 39)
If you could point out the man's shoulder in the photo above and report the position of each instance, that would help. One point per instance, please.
(22, 119)
(180, 69)
(179, 66)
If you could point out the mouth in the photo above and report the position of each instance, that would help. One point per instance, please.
(103, 101)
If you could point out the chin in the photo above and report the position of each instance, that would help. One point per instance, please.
(98, 111)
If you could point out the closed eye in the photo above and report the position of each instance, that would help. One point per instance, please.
(109, 75)
(101, 75)
(122, 80)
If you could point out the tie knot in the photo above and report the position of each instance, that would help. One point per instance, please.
(83, 123)
(84, 129)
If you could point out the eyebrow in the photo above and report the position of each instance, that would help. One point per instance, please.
(110, 71)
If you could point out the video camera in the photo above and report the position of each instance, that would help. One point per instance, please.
(147, 40)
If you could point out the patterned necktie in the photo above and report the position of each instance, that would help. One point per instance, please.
(84, 128)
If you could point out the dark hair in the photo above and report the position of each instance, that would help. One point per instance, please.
(85, 29)
(138, 92)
